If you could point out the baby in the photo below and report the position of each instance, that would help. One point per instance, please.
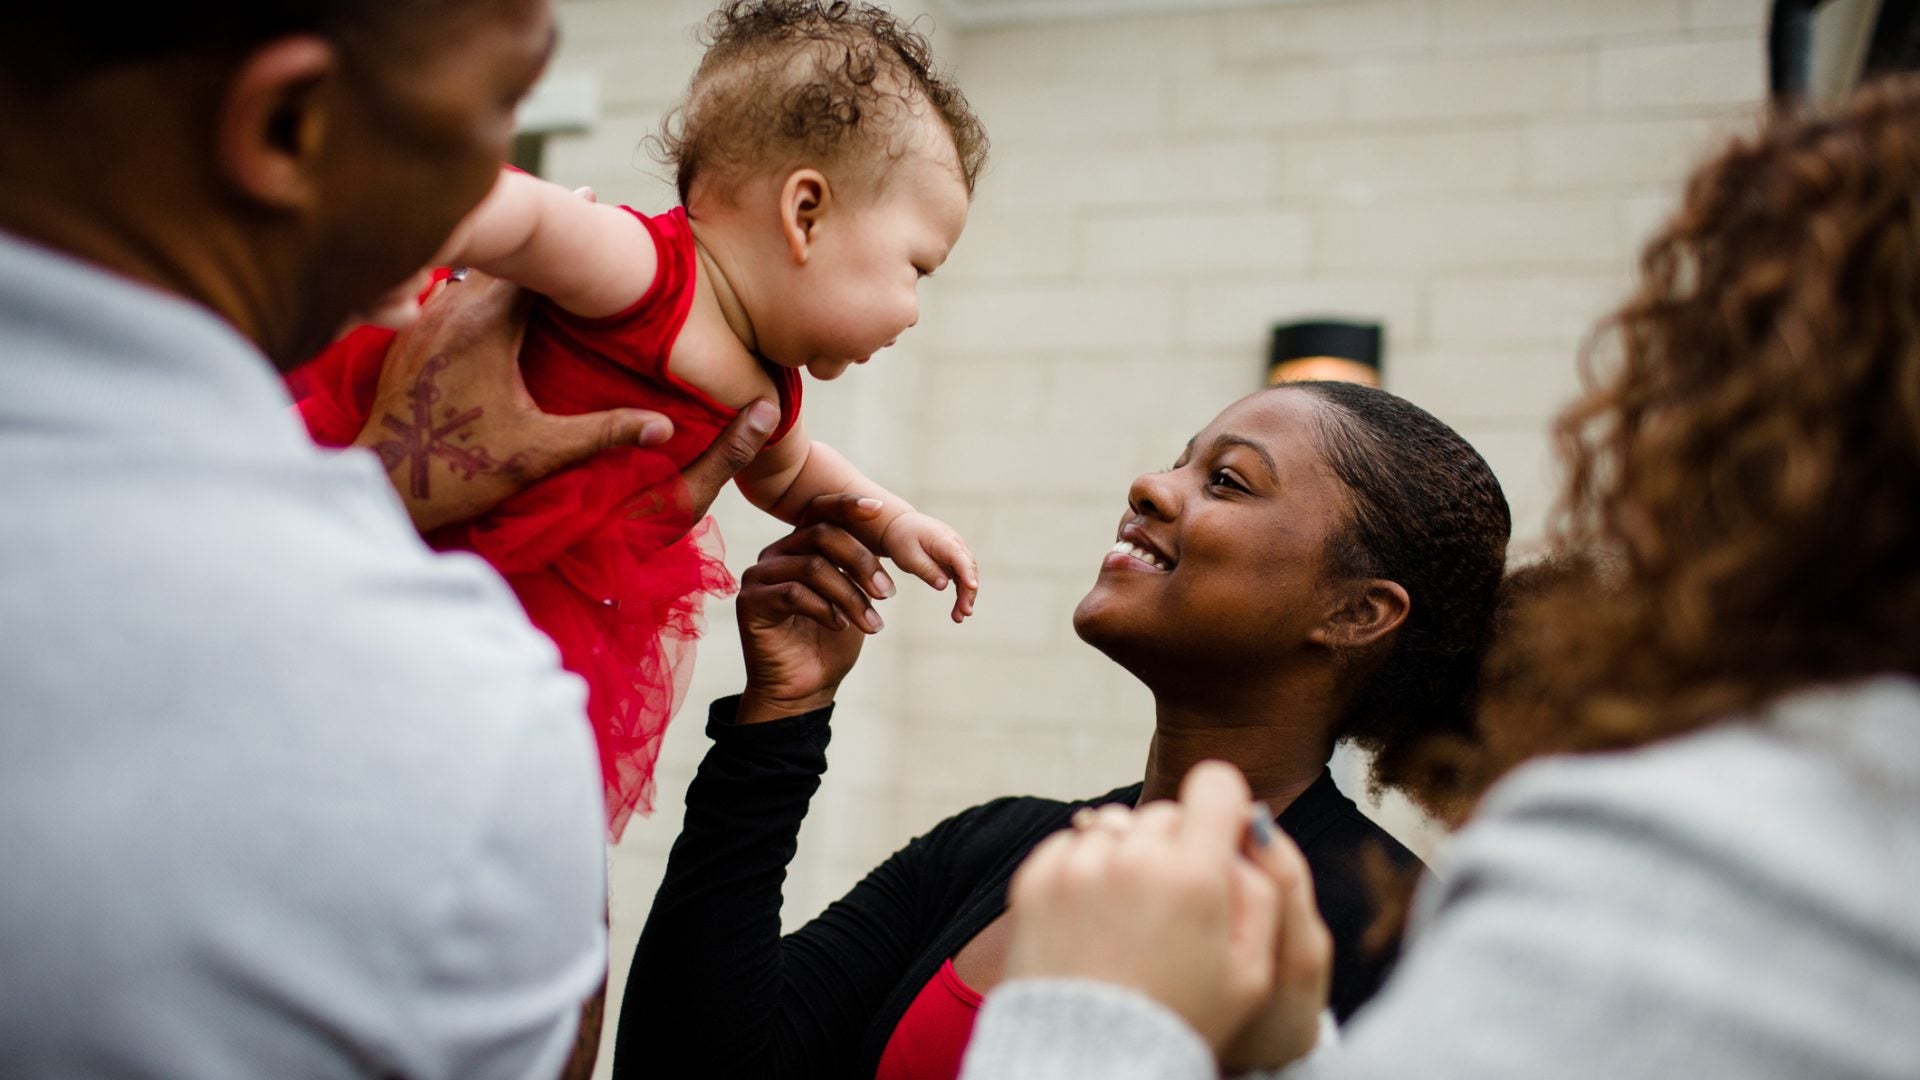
(824, 167)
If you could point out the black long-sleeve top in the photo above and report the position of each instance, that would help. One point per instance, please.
(716, 992)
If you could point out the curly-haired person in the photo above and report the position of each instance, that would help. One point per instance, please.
(825, 167)
(1700, 852)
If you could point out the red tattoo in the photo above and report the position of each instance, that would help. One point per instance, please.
(421, 439)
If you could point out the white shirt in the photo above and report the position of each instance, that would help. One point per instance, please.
(282, 792)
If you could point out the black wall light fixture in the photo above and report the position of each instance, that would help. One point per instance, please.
(1325, 349)
(1822, 48)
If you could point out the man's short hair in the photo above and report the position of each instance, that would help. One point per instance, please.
(52, 43)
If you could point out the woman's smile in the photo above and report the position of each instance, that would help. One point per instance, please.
(1127, 556)
(1135, 550)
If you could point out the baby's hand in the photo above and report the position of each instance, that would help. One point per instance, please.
(931, 550)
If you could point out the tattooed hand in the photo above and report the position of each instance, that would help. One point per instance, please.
(453, 421)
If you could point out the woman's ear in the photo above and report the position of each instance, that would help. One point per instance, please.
(1368, 610)
(804, 200)
(273, 122)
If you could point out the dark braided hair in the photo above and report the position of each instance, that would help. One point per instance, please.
(808, 81)
(1426, 513)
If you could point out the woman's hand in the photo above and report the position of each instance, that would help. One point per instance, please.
(1286, 1026)
(1160, 900)
(805, 609)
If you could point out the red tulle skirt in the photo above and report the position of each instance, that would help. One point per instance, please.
(605, 557)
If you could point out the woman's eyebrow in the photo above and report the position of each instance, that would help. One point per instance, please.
(1273, 471)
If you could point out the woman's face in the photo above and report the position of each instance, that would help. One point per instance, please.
(1220, 561)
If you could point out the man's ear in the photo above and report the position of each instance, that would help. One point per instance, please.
(804, 199)
(273, 122)
(1366, 613)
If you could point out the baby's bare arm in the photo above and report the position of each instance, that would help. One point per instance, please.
(590, 259)
(789, 476)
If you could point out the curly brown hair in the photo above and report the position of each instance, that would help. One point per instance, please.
(817, 81)
(1744, 482)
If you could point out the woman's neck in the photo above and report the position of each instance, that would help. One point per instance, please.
(1281, 744)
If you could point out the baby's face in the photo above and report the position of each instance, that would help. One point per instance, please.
(857, 291)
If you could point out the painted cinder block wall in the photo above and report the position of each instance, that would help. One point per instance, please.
(1476, 174)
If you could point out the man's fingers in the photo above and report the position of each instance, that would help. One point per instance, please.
(573, 439)
(478, 300)
(479, 322)
(734, 449)
(1216, 801)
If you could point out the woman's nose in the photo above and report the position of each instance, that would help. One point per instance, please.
(1153, 495)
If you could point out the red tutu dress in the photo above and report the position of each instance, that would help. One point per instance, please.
(600, 554)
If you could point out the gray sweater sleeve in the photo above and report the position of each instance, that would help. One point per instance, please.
(1734, 903)
(1067, 1029)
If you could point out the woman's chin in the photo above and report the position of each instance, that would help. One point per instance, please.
(1100, 620)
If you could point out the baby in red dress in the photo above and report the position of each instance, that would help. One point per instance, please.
(825, 167)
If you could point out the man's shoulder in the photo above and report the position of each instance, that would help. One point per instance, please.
(269, 740)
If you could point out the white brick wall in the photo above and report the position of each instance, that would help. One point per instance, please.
(1478, 174)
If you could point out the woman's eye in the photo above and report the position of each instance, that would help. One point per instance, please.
(1225, 479)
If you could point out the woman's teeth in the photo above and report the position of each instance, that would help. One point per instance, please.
(1130, 549)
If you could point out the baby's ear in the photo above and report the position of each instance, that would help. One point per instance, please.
(1364, 614)
(804, 200)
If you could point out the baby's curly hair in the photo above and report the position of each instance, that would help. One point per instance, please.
(791, 81)
(1745, 483)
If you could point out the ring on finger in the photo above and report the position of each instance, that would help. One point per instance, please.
(1109, 819)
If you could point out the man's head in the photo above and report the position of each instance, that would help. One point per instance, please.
(281, 163)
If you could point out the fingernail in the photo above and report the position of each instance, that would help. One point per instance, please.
(762, 417)
(1260, 825)
(882, 584)
(874, 620)
(654, 432)
(870, 504)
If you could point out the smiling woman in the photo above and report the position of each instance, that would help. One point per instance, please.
(1320, 564)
